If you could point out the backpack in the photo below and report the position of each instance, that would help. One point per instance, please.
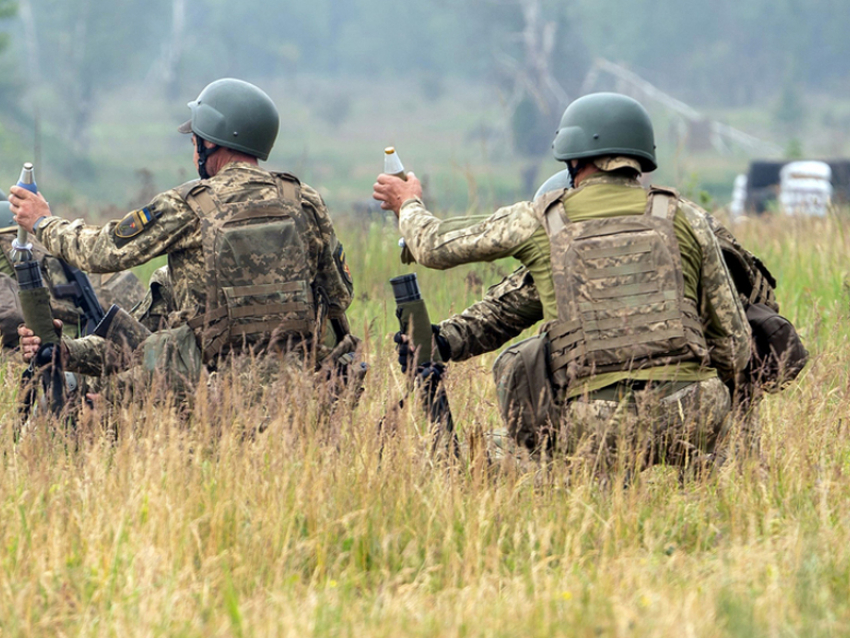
(259, 283)
(778, 354)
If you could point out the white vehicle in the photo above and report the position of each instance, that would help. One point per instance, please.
(805, 188)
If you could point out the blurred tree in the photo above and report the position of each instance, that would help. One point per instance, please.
(8, 8)
(726, 52)
(82, 46)
(533, 55)
(789, 111)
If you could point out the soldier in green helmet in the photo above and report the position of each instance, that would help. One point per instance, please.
(254, 264)
(642, 322)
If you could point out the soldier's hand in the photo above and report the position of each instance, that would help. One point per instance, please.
(27, 207)
(406, 351)
(30, 343)
(393, 191)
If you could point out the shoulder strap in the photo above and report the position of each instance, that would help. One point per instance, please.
(662, 202)
(289, 186)
(199, 198)
(201, 201)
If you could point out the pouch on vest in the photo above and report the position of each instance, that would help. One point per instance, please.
(174, 354)
(257, 269)
(778, 353)
(524, 388)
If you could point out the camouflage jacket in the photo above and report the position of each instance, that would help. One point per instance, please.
(169, 226)
(122, 288)
(726, 329)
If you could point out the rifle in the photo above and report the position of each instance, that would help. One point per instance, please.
(414, 321)
(80, 290)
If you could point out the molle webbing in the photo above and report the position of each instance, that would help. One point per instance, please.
(569, 343)
(620, 292)
(258, 281)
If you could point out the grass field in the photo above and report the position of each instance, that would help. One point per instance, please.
(148, 527)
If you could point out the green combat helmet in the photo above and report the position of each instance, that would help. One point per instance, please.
(235, 114)
(606, 124)
(7, 219)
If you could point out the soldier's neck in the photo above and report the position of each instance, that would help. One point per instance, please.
(224, 156)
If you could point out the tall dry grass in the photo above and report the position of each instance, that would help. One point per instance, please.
(143, 524)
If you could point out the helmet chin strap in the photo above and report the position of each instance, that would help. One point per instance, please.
(574, 170)
(203, 155)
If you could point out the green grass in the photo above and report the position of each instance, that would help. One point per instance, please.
(144, 525)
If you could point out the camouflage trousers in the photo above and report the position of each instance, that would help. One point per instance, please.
(647, 427)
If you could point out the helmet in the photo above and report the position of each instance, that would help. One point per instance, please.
(559, 180)
(235, 114)
(6, 217)
(606, 124)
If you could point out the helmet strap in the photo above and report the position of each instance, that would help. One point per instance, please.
(203, 155)
(574, 170)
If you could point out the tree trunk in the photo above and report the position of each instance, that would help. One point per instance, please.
(82, 96)
(30, 41)
(174, 50)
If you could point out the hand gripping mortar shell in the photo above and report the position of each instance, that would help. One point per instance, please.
(393, 166)
(34, 296)
(35, 306)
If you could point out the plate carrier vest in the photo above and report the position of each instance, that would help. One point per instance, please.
(258, 274)
(620, 291)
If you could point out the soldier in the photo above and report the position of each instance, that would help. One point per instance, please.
(643, 324)
(122, 288)
(253, 260)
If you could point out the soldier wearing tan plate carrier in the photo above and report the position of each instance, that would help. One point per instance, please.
(254, 265)
(644, 326)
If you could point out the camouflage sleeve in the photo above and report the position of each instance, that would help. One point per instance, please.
(332, 274)
(86, 355)
(727, 331)
(507, 309)
(443, 244)
(165, 225)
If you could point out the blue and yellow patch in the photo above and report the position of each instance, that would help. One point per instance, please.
(134, 223)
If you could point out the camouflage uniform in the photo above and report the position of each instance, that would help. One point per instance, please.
(121, 288)
(694, 392)
(170, 226)
(91, 355)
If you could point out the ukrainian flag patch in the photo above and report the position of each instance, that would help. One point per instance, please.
(134, 223)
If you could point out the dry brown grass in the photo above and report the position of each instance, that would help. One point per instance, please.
(143, 525)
